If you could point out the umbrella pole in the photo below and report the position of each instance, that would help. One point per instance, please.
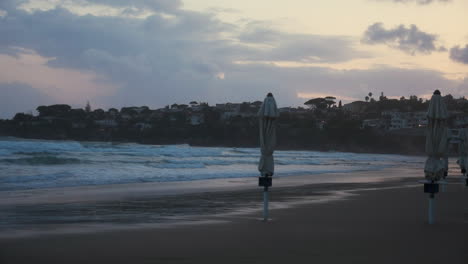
(265, 203)
(431, 208)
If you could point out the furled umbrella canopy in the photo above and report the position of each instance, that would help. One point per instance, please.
(436, 138)
(267, 114)
(463, 161)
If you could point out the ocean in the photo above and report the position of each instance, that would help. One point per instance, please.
(36, 164)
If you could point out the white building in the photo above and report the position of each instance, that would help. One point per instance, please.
(106, 123)
(461, 121)
(401, 120)
(143, 126)
(371, 123)
(196, 119)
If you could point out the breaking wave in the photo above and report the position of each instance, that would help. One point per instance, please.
(29, 164)
(41, 160)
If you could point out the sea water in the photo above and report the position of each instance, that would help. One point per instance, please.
(34, 164)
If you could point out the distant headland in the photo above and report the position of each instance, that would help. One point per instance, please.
(375, 125)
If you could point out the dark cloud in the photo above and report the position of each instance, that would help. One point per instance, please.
(420, 2)
(287, 82)
(18, 97)
(459, 54)
(161, 60)
(281, 46)
(155, 5)
(410, 40)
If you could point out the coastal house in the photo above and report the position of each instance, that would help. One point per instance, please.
(228, 115)
(196, 119)
(356, 107)
(229, 107)
(421, 119)
(126, 116)
(142, 126)
(79, 124)
(109, 123)
(195, 106)
(460, 120)
(321, 124)
(398, 123)
(372, 123)
(228, 110)
(402, 120)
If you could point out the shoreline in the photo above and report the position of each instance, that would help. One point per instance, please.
(282, 148)
(93, 193)
(375, 226)
(151, 205)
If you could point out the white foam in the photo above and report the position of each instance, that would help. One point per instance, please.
(96, 163)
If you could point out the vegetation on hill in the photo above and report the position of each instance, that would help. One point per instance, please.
(323, 126)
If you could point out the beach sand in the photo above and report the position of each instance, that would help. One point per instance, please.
(376, 226)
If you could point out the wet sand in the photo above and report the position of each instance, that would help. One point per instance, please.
(375, 226)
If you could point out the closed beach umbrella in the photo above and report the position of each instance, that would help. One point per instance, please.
(463, 161)
(267, 114)
(436, 138)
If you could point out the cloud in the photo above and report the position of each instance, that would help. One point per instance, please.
(157, 60)
(135, 8)
(410, 40)
(420, 2)
(17, 97)
(156, 5)
(177, 56)
(459, 54)
(282, 46)
(62, 84)
(288, 83)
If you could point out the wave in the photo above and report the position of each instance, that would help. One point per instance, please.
(33, 164)
(42, 160)
(33, 153)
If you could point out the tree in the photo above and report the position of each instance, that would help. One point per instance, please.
(53, 110)
(382, 97)
(330, 100)
(77, 114)
(19, 117)
(245, 107)
(319, 103)
(367, 98)
(42, 110)
(340, 105)
(88, 107)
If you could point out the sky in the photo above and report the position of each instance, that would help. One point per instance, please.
(116, 53)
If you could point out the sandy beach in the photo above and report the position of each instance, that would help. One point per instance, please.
(360, 224)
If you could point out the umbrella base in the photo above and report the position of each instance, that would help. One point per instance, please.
(431, 188)
(265, 181)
